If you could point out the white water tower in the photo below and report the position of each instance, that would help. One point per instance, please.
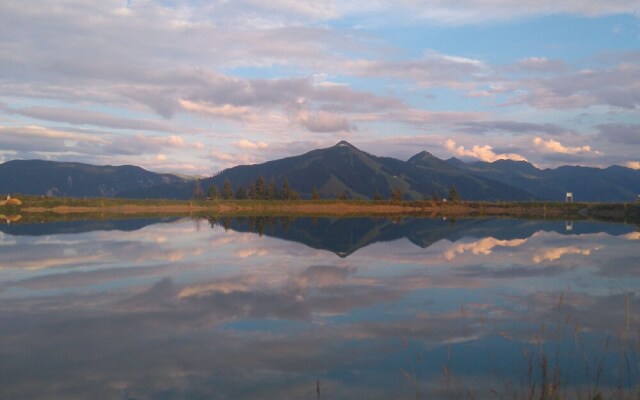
(569, 198)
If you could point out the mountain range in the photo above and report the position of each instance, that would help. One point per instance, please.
(344, 236)
(67, 179)
(339, 169)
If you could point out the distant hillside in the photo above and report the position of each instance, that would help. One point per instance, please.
(344, 168)
(615, 183)
(332, 171)
(37, 177)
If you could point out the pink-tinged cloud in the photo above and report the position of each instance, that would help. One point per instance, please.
(632, 164)
(42, 132)
(483, 246)
(553, 146)
(556, 253)
(323, 121)
(539, 64)
(220, 156)
(632, 236)
(481, 152)
(249, 145)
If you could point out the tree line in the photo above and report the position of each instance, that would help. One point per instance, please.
(260, 189)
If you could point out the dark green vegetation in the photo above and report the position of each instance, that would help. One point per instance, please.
(341, 171)
(62, 179)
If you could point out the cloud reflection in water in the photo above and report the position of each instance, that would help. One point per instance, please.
(238, 315)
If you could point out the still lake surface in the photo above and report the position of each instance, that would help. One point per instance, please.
(355, 308)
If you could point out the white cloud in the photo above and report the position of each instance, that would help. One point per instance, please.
(433, 70)
(481, 152)
(553, 146)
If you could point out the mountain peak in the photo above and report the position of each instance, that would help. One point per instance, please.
(344, 143)
(456, 162)
(423, 155)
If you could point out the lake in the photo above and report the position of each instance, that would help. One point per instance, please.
(308, 308)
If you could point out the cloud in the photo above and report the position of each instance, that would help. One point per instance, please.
(483, 246)
(481, 152)
(434, 70)
(43, 132)
(467, 12)
(32, 138)
(84, 117)
(220, 156)
(556, 253)
(632, 164)
(632, 236)
(249, 145)
(538, 64)
(514, 127)
(617, 86)
(323, 121)
(224, 111)
(620, 133)
(242, 69)
(553, 146)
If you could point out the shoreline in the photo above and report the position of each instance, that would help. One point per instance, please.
(32, 208)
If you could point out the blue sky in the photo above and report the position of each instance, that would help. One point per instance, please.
(199, 86)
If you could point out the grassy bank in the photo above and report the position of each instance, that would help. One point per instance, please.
(105, 208)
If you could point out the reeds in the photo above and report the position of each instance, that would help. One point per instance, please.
(561, 363)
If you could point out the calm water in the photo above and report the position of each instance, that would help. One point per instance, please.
(317, 308)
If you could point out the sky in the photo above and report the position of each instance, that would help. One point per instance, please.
(194, 86)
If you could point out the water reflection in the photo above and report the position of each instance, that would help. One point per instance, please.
(263, 308)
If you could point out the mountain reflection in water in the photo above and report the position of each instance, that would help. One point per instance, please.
(260, 307)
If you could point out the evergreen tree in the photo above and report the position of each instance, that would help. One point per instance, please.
(241, 194)
(453, 194)
(436, 196)
(285, 193)
(198, 193)
(315, 195)
(344, 195)
(227, 190)
(251, 191)
(377, 197)
(261, 188)
(293, 195)
(271, 189)
(397, 194)
(213, 192)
